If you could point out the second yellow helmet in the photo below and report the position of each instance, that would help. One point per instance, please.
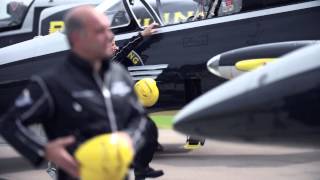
(147, 92)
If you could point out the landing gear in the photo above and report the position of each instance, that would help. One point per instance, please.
(194, 142)
(202, 141)
(193, 89)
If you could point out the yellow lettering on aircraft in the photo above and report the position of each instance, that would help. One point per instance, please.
(146, 21)
(169, 18)
(166, 18)
(56, 26)
(190, 13)
(180, 17)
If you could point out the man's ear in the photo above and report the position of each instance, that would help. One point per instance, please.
(76, 36)
(81, 33)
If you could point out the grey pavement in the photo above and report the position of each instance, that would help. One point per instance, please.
(216, 160)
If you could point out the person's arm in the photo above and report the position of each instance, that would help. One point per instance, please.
(123, 52)
(32, 106)
(35, 105)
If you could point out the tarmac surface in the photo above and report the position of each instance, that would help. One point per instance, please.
(215, 160)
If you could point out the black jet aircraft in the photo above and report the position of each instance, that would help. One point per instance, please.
(276, 104)
(176, 56)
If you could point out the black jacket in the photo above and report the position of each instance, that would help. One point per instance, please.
(71, 99)
(124, 56)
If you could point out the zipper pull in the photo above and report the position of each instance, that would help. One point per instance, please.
(106, 93)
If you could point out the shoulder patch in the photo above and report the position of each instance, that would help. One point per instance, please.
(120, 88)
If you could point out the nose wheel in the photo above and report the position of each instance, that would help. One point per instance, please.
(194, 142)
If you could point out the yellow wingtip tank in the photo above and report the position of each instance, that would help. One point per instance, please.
(251, 64)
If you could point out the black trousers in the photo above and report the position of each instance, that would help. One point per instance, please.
(145, 154)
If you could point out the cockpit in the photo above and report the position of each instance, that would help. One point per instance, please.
(123, 13)
(178, 11)
(12, 12)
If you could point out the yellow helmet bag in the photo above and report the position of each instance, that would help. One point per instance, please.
(104, 157)
(147, 91)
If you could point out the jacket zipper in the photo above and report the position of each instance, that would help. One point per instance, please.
(107, 100)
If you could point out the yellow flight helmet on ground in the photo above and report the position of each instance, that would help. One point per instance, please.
(104, 157)
(147, 91)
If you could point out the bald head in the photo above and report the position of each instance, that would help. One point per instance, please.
(75, 20)
(88, 32)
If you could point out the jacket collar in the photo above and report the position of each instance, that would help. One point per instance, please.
(84, 65)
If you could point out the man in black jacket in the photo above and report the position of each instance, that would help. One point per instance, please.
(84, 96)
(145, 155)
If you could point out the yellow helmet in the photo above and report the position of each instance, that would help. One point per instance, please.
(104, 157)
(147, 91)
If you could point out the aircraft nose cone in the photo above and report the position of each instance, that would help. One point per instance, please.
(213, 65)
